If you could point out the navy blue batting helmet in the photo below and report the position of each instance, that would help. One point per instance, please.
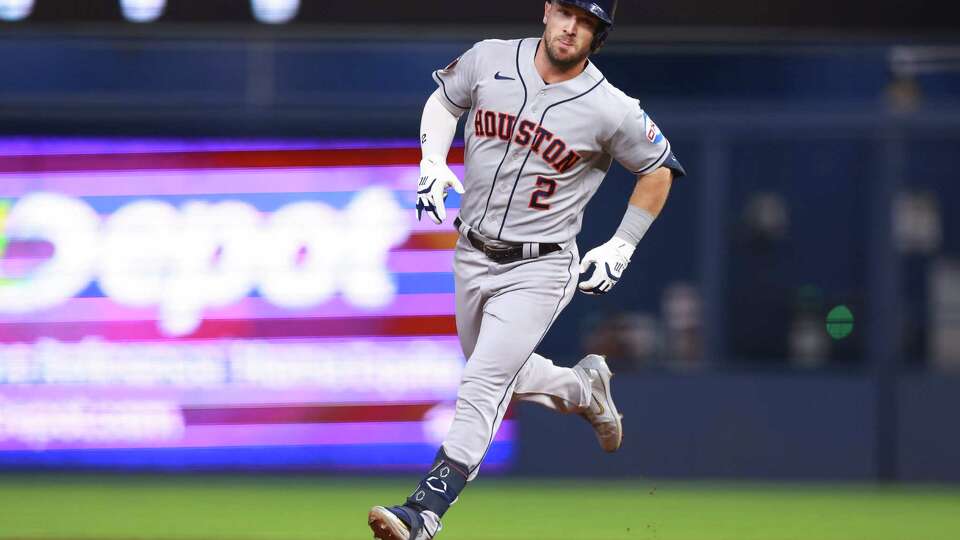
(605, 10)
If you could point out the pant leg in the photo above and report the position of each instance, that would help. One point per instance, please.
(558, 388)
(470, 277)
(524, 300)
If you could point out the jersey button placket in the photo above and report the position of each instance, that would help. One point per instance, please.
(535, 103)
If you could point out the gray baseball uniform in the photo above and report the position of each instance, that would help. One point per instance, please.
(535, 155)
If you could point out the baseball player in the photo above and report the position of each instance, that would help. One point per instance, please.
(543, 127)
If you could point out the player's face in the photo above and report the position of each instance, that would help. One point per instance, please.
(568, 34)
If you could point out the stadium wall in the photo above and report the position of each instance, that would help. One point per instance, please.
(760, 426)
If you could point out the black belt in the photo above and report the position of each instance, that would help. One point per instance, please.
(505, 252)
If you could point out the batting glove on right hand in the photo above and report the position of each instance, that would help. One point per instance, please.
(435, 178)
(609, 261)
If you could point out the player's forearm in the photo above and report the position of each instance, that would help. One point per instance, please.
(648, 198)
(437, 128)
(650, 193)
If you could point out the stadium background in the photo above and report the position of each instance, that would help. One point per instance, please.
(193, 345)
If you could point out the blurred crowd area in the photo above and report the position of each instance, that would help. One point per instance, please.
(773, 322)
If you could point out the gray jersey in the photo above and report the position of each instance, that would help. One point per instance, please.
(536, 152)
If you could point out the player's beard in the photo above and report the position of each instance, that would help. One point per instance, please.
(564, 63)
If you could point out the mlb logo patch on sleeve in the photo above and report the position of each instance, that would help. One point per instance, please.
(653, 132)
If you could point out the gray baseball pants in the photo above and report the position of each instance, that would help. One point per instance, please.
(503, 312)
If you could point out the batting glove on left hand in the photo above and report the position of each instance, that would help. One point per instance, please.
(609, 261)
(435, 178)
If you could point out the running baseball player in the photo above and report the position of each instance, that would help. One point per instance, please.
(543, 128)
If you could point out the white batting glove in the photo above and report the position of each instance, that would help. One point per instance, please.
(435, 178)
(609, 261)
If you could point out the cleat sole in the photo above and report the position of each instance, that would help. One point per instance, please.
(385, 525)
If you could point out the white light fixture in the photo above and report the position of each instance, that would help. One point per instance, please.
(142, 11)
(275, 11)
(14, 10)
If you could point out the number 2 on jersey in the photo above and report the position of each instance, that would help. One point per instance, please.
(536, 200)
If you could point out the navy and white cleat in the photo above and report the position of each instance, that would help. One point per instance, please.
(602, 412)
(403, 523)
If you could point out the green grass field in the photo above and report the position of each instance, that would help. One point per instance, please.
(72, 507)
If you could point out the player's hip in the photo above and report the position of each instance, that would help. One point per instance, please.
(476, 245)
(473, 268)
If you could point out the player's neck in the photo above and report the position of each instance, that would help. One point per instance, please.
(550, 72)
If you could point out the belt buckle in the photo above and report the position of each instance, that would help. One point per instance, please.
(499, 255)
(491, 253)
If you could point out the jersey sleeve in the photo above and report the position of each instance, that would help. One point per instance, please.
(456, 82)
(640, 146)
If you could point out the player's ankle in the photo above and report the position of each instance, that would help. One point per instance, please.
(416, 507)
(440, 488)
(586, 385)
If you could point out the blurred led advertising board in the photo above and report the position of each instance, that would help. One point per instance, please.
(223, 304)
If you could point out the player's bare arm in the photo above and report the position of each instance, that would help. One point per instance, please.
(611, 259)
(651, 191)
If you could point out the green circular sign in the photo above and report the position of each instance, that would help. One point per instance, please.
(840, 322)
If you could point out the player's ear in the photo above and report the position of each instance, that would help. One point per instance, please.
(546, 9)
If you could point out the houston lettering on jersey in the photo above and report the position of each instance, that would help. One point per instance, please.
(544, 143)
